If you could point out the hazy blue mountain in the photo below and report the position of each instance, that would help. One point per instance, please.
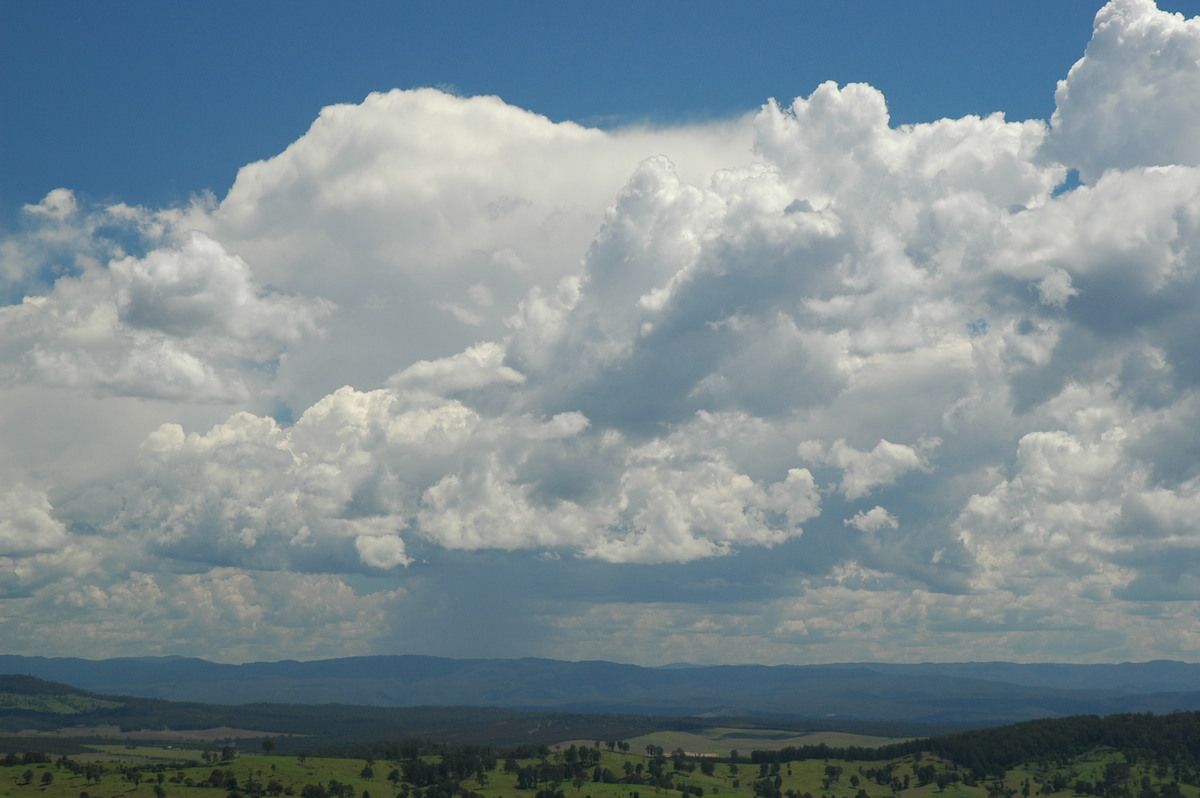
(995, 692)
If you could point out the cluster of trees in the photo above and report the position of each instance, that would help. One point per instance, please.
(253, 784)
(1173, 740)
(433, 771)
(91, 771)
(454, 764)
(332, 789)
(12, 759)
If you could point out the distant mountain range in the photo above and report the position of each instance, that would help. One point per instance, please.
(958, 693)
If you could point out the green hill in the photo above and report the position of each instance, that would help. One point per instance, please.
(26, 694)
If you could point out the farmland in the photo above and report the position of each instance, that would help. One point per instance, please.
(599, 769)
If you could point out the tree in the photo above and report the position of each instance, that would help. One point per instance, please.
(268, 745)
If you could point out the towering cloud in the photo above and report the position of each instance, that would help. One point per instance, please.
(1120, 106)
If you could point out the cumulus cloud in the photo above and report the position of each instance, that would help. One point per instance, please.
(1121, 104)
(179, 323)
(864, 471)
(886, 391)
(381, 551)
(199, 288)
(873, 520)
(360, 473)
(474, 368)
(452, 209)
(27, 523)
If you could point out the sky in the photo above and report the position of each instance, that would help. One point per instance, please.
(677, 332)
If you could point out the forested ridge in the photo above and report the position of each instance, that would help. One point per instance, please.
(1172, 739)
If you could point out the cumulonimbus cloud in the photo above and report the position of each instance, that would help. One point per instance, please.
(912, 362)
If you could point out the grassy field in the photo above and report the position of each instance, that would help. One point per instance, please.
(129, 772)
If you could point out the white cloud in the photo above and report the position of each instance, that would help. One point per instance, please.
(873, 520)
(1130, 100)
(863, 471)
(198, 288)
(476, 367)
(360, 473)
(59, 204)
(681, 511)
(182, 323)
(382, 551)
(450, 209)
(27, 523)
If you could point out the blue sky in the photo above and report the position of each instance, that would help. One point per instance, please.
(651, 332)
